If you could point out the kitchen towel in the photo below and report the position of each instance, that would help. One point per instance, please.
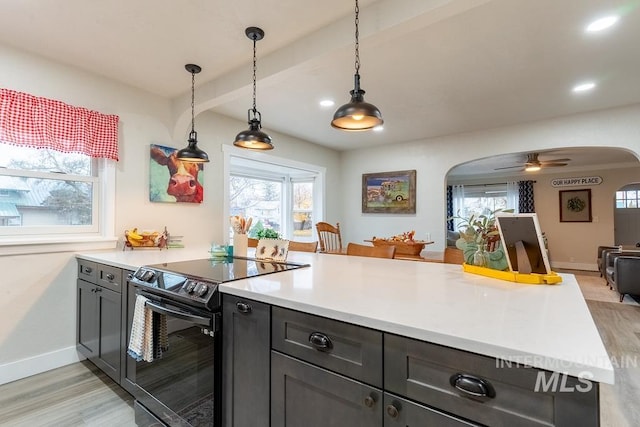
(148, 332)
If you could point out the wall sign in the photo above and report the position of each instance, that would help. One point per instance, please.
(571, 182)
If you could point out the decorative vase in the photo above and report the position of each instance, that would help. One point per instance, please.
(481, 257)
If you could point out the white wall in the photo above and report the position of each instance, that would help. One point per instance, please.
(38, 304)
(433, 158)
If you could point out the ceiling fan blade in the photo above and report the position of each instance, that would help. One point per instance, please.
(555, 161)
(552, 165)
(508, 167)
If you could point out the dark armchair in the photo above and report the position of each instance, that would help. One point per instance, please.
(626, 277)
(601, 255)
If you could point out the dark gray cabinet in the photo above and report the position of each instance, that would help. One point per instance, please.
(324, 372)
(477, 388)
(399, 412)
(306, 395)
(99, 306)
(246, 349)
(127, 381)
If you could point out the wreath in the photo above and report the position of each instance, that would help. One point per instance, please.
(576, 204)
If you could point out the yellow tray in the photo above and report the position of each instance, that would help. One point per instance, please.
(533, 278)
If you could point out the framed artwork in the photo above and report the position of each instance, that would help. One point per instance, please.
(575, 205)
(172, 180)
(389, 192)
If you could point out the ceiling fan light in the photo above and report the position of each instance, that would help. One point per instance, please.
(532, 168)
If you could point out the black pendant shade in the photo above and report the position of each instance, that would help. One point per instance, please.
(192, 153)
(254, 138)
(357, 115)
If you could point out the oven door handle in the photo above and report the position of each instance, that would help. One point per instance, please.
(206, 321)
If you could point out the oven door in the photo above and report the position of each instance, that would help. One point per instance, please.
(182, 387)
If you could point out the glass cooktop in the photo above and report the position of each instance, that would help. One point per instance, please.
(225, 269)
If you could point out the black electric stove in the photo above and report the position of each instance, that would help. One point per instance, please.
(195, 282)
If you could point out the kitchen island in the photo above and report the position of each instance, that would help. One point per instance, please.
(546, 327)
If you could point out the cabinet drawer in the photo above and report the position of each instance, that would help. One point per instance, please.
(404, 413)
(110, 277)
(87, 271)
(426, 373)
(350, 350)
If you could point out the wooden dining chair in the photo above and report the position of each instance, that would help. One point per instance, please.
(371, 251)
(453, 256)
(303, 246)
(329, 237)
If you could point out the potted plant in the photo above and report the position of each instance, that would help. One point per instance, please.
(479, 240)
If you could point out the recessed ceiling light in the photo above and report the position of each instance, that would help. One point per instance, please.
(602, 24)
(327, 103)
(584, 87)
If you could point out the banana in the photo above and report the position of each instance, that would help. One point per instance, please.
(134, 234)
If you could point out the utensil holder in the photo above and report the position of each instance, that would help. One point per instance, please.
(240, 243)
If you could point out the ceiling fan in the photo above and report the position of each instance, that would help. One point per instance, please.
(534, 164)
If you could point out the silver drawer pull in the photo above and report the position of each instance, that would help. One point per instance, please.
(243, 307)
(88, 270)
(110, 277)
(320, 342)
(472, 385)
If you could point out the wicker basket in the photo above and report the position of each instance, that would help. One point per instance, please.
(402, 248)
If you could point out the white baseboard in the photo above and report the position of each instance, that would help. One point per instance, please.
(41, 363)
(574, 266)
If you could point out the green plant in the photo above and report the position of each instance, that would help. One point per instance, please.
(267, 233)
(481, 228)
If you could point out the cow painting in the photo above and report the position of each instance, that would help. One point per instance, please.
(171, 179)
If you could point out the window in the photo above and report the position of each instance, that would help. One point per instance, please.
(46, 192)
(627, 199)
(281, 194)
(482, 200)
(259, 199)
(55, 202)
(302, 209)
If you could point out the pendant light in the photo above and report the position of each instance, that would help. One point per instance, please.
(253, 138)
(192, 153)
(357, 115)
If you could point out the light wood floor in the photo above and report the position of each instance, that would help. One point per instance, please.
(75, 395)
(80, 395)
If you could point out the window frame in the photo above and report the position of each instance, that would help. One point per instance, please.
(319, 173)
(45, 239)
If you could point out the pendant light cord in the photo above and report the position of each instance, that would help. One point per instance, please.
(254, 74)
(193, 84)
(357, 20)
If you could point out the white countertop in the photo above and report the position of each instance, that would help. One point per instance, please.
(545, 326)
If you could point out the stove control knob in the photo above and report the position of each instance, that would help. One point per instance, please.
(191, 285)
(202, 289)
(140, 274)
(149, 276)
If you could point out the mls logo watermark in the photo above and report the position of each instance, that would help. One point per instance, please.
(556, 382)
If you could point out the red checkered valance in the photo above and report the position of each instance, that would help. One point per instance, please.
(30, 121)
